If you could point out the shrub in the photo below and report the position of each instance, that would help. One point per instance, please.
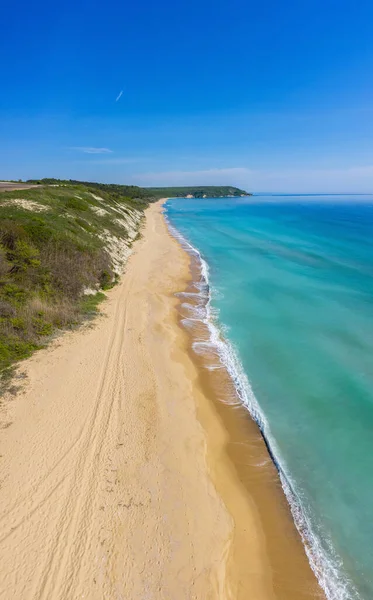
(18, 323)
(77, 204)
(106, 279)
(39, 231)
(6, 309)
(15, 294)
(4, 264)
(89, 304)
(5, 353)
(10, 233)
(12, 348)
(22, 256)
(41, 326)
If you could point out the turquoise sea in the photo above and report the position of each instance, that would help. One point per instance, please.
(291, 291)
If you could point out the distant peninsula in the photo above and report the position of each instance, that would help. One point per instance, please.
(150, 194)
(62, 244)
(210, 191)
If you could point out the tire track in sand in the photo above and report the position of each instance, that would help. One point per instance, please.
(67, 547)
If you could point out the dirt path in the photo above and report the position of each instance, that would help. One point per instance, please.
(7, 186)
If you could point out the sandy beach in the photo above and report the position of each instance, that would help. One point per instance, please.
(123, 475)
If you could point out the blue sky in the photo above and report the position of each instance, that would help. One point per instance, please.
(270, 96)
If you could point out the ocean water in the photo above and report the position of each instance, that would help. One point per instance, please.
(291, 288)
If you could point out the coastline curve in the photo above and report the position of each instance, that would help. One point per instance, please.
(326, 565)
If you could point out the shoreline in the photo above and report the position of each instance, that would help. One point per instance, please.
(120, 473)
(105, 491)
(293, 576)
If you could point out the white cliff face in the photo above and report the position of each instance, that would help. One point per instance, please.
(119, 246)
(99, 211)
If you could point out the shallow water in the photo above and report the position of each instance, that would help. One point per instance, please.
(291, 279)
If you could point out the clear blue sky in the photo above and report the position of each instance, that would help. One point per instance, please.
(268, 95)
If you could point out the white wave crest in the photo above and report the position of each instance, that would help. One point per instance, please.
(324, 561)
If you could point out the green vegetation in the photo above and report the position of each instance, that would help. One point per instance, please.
(140, 195)
(89, 304)
(133, 195)
(59, 246)
(208, 191)
(62, 242)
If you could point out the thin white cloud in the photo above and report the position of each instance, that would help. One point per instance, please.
(112, 161)
(91, 150)
(119, 95)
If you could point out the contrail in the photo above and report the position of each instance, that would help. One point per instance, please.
(119, 95)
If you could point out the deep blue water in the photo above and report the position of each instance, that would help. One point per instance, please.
(292, 280)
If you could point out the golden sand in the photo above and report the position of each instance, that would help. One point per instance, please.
(123, 475)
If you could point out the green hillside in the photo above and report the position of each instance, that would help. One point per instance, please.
(150, 194)
(61, 244)
(209, 191)
(59, 248)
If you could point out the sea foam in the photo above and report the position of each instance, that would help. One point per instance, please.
(322, 557)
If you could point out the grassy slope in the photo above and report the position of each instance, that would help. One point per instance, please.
(154, 193)
(55, 244)
(59, 240)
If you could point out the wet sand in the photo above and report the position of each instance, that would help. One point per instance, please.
(259, 482)
(123, 473)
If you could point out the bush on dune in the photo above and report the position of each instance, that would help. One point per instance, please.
(52, 264)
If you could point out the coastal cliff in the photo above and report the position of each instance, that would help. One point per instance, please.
(60, 248)
(62, 244)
